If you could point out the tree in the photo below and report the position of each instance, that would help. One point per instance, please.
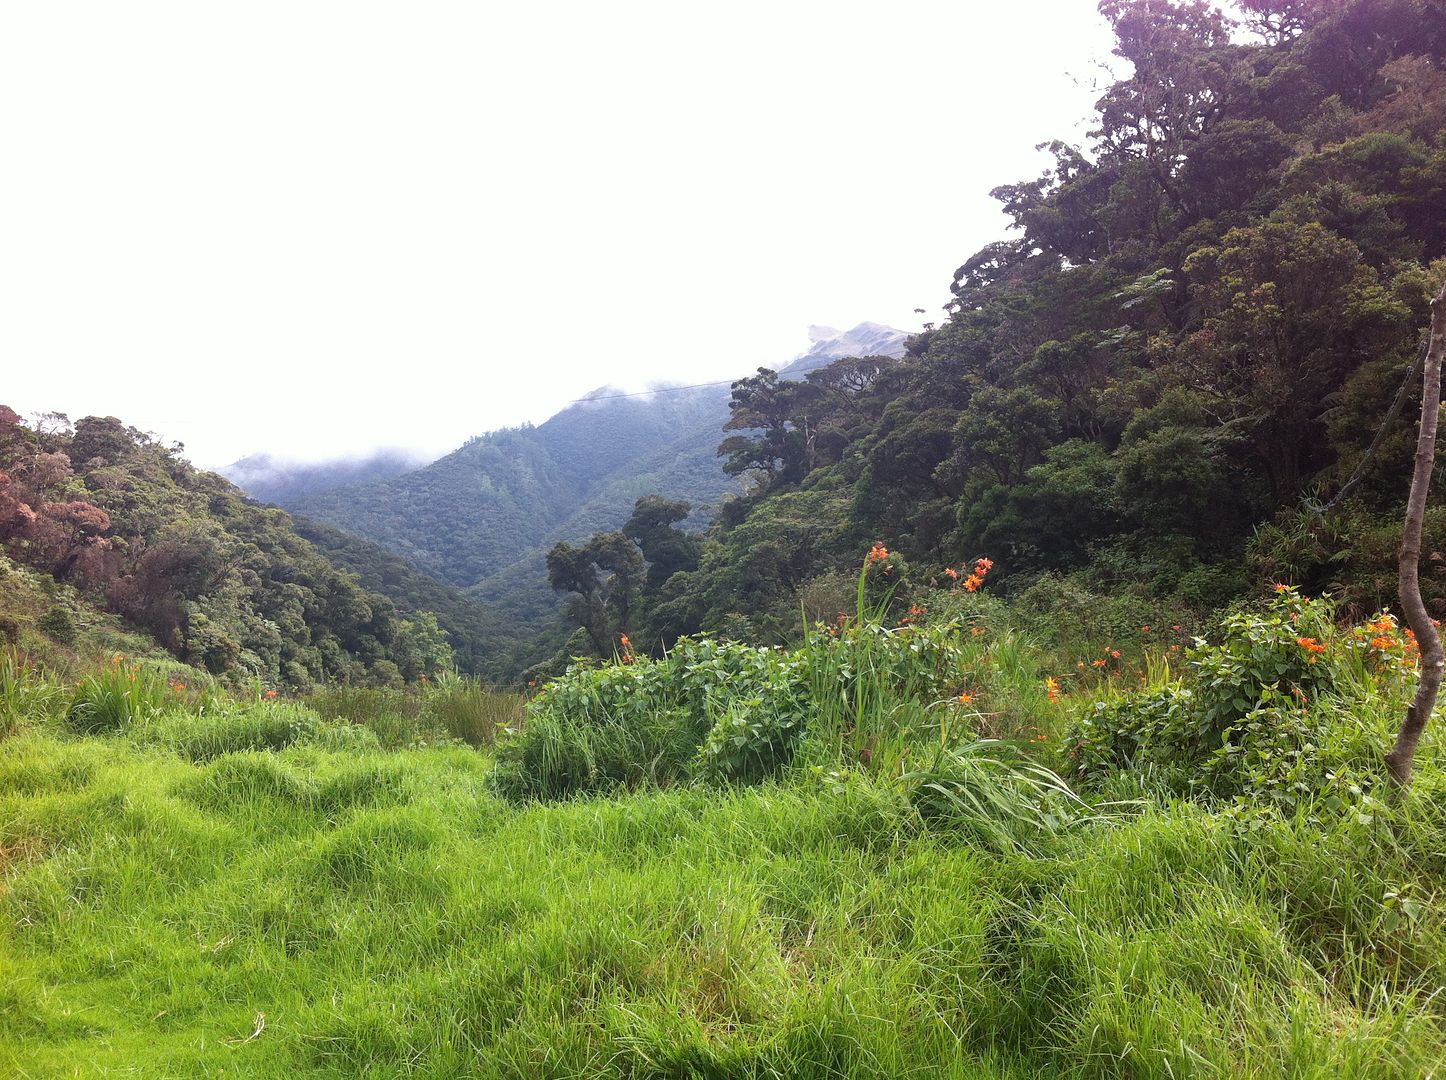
(604, 575)
(667, 550)
(1402, 756)
(780, 409)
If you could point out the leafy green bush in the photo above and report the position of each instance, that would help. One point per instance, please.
(722, 710)
(1269, 712)
(60, 623)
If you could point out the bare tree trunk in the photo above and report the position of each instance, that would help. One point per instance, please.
(1403, 755)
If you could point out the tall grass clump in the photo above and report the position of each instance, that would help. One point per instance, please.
(394, 715)
(992, 793)
(469, 710)
(25, 693)
(117, 696)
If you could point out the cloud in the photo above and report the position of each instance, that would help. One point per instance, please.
(316, 229)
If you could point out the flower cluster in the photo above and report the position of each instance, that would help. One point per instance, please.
(975, 580)
(1390, 646)
(1051, 687)
(914, 615)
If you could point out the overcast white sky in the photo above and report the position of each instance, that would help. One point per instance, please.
(313, 228)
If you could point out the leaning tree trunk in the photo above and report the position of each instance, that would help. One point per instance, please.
(1403, 755)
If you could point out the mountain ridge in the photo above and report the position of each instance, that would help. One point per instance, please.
(482, 517)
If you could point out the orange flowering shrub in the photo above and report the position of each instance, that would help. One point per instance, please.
(1247, 720)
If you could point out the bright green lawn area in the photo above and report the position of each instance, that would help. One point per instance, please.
(306, 912)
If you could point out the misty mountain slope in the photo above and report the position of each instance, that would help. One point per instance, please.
(483, 516)
(276, 480)
(481, 508)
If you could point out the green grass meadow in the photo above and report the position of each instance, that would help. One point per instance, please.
(223, 886)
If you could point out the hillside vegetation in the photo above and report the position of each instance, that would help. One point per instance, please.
(122, 523)
(484, 517)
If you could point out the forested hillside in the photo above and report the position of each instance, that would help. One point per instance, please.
(1199, 322)
(478, 509)
(279, 481)
(125, 523)
(484, 639)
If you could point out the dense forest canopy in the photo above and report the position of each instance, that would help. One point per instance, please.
(1198, 321)
(223, 583)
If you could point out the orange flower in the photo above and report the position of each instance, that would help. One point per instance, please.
(1115, 653)
(983, 566)
(1099, 663)
(1384, 644)
(1310, 645)
(1051, 687)
(951, 573)
(878, 553)
(972, 582)
(270, 695)
(975, 631)
(966, 699)
(1175, 627)
(1144, 629)
(1279, 588)
(624, 639)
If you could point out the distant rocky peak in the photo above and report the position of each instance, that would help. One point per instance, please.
(865, 339)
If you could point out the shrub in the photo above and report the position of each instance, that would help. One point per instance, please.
(59, 623)
(1257, 713)
(724, 710)
(117, 697)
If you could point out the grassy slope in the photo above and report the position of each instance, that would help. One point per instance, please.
(389, 916)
